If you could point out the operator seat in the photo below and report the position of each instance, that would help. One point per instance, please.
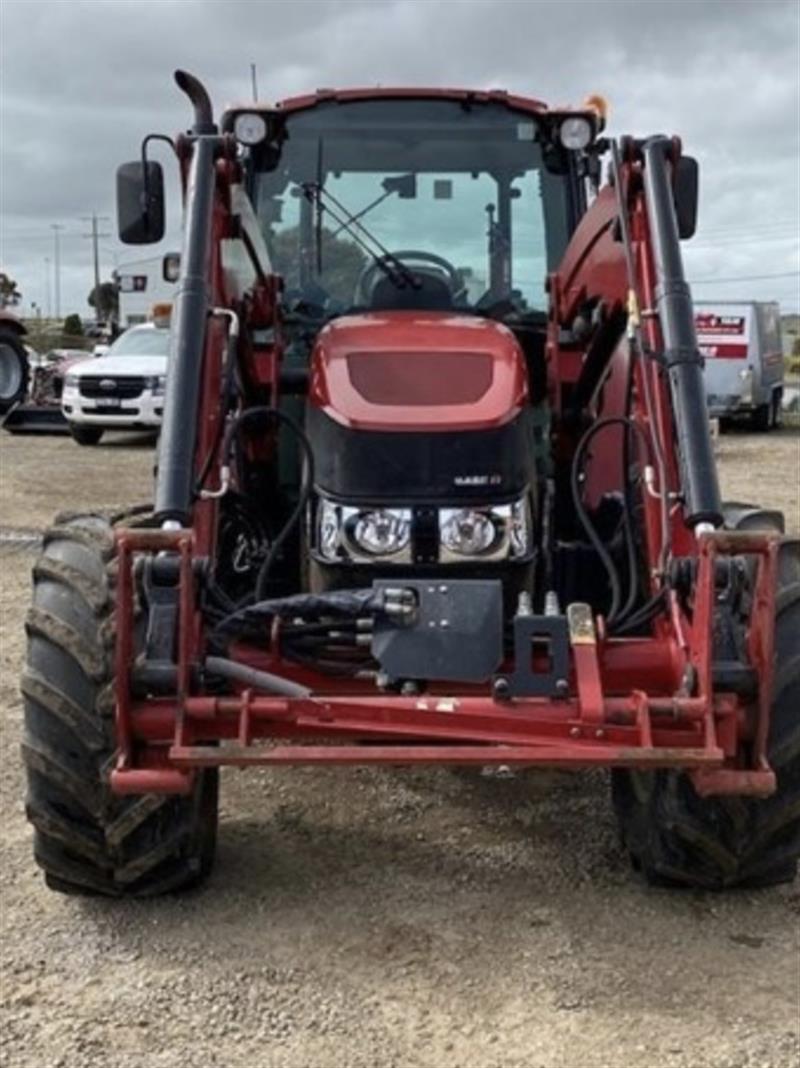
(433, 294)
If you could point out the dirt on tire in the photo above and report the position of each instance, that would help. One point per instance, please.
(381, 918)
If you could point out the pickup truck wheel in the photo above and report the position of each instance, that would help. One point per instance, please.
(676, 838)
(85, 435)
(14, 370)
(761, 419)
(87, 840)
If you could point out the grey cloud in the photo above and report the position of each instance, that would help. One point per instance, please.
(82, 82)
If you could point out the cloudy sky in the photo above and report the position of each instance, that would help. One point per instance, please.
(83, 80)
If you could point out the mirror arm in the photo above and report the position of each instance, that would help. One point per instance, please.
(145, 173)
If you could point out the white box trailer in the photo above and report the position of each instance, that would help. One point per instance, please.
(141, 284)
(743, 351)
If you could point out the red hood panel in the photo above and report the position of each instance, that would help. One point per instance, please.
(417, 371)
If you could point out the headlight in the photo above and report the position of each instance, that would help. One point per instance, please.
(370, 535)
(363, 534)
(575, 132)
(156, 383)
(467, 532)
(71, 382)
(493, 533)
(380, 533)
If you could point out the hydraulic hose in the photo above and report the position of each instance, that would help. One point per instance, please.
(583, 515)
(259, 680)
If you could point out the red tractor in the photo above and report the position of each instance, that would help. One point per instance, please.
(434, 486)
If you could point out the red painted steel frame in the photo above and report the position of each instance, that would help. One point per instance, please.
(628, 704)
(160, 741)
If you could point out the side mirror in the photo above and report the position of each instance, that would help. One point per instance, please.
(687, 184)
(140, 203)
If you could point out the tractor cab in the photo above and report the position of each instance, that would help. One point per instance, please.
(447, 203)
(414, 235)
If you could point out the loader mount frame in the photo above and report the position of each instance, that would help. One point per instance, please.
(162, 740)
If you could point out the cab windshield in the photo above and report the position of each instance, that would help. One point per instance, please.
(412, 204)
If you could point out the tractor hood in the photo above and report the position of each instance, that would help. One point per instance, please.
(417, 371)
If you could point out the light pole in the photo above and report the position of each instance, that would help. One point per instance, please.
(56, 228)
(95, 236)
(48, 303)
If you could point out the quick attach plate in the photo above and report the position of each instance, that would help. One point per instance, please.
(541, 658)
(456, 634)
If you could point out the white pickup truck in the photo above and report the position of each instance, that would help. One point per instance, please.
(741, 344)
(122, 390)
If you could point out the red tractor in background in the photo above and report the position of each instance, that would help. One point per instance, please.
(434, 486)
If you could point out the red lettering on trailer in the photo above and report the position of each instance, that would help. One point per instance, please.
(723, 352)
(708, 323)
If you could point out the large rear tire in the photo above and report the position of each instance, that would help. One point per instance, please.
(14, 370)
(675, 837)
(86, 839)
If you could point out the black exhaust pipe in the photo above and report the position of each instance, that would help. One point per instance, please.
(175, 480)
(201, 102)
(681, 354)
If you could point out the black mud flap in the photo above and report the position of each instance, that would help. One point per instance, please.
(455, 634)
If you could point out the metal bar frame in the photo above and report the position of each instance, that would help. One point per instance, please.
(161, 740)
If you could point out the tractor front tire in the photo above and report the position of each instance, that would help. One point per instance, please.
(677, 838)
(87, 840)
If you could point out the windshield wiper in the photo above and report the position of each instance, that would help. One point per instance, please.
(394, 269)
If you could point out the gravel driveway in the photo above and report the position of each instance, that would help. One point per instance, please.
(382, 918)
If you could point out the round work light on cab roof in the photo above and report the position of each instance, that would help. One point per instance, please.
(575, 132)
(250, 128)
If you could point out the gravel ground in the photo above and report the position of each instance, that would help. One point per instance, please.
(382, 918)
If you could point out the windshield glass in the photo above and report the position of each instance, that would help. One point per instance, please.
(451, 199)
(144, 342)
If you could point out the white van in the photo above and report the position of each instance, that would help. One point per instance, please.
(121, 390)
(741, 344)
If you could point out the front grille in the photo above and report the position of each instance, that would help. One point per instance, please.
(99, 386)
(105, 409)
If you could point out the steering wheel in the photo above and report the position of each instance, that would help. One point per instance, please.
(372, 271)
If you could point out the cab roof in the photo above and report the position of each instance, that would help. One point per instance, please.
(594, 106)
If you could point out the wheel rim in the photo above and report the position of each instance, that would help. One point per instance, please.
(10, 372)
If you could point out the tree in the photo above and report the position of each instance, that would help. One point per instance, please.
(342, 263)
(73, 327)
(10, 295)
(796, 347)
(105, 301)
